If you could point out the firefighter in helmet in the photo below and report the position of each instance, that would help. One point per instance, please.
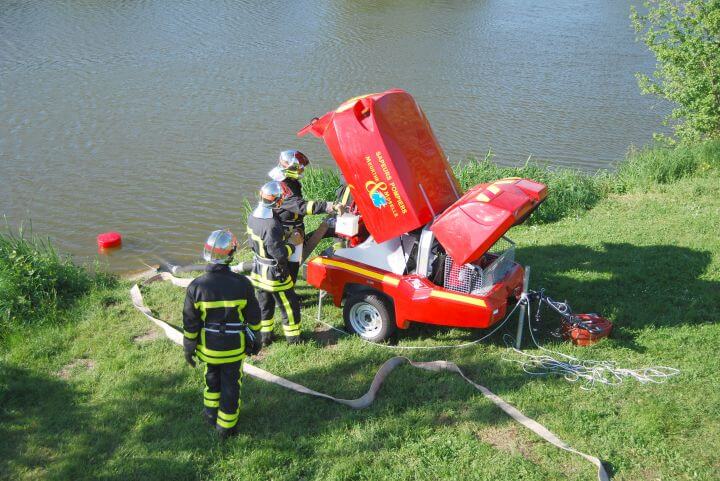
(220, 319)
(288, 172)
(271, 270)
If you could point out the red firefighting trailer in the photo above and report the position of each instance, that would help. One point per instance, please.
(432, 256)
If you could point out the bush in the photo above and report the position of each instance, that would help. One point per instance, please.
(685, 38)
(647, 167)
(36, 283)
(571, 191)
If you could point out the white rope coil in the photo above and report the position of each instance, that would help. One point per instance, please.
(589, 372)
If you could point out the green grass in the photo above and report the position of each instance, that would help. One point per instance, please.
(648, 258)
(572, 191)
(37, 285)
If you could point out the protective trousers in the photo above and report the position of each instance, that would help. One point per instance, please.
(289, 305)
(222, 392)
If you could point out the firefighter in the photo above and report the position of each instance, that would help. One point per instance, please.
(220, 319)
(288, 172)
(271, 271)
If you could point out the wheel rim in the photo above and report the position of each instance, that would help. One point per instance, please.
(365, 319)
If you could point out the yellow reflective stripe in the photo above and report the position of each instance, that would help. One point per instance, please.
(345, 195)
(205, 305)
(211, 404)
(393, 281)
(229, 417)
(215, 304)
(259, 241)
(494, 189)
(264, 280)
(270, 285)
(288, 309)
(226, 424)
(211, 395)
(228, 353)
(292, 330)
(190, 335)
(254, 327)
(268, 322)
(289, 249)
(203, 349)
(458, 298)
(219, 360)
(309, 207)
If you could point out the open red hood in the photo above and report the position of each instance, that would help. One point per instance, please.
(469, 227)
(385, 148)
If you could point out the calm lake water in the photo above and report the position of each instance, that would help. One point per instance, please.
(157, 118)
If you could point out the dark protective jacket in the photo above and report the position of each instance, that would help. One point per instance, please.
(270, 270)
(218, 306)
(343, 197)
(294, 208)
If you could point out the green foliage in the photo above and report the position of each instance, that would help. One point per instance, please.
(570, 191)
(102, 399)
(647, 167)
(320, 183)
(36, 283)
(685, 38)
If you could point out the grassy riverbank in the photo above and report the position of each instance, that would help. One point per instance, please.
(98, 394)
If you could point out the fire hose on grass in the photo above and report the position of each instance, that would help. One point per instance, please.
(368, 398)
(572, 369)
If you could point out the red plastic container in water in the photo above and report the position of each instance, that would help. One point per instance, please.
(108, 240)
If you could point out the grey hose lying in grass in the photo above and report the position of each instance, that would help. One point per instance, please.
(369, 397)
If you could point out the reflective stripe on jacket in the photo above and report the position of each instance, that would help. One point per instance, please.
(294, 208)
(267, 239)
(217, 305)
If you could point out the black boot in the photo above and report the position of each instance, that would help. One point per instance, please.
(225, 433)
(210, 416)
(266, 338)
(294, 339)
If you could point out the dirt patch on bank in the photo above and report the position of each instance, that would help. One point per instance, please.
(149, 336)
(506, 439)
(75, 365)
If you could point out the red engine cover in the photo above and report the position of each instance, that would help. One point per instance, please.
(386, 150)
(476, 221)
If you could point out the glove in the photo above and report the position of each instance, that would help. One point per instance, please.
(330, 208)
(339, 209)
(252, 342)
(189, 346)
(296, 238)
(283, 271)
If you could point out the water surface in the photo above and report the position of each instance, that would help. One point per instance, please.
(157, 118)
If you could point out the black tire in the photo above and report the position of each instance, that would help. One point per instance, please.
(370, 316)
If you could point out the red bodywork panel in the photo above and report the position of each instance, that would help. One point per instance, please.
(475, 222)
(386, 150)
(416, 299)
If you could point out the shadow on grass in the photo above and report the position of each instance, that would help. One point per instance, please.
(635, 286)
(49, 430)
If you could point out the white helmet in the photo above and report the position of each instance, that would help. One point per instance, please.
(272, 195)
(220, 247)
(293, 163)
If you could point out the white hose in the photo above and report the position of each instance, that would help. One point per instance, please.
(588, 371)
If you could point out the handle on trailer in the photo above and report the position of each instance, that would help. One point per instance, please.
(521, 316)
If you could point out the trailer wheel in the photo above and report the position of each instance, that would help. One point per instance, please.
(369, 316)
